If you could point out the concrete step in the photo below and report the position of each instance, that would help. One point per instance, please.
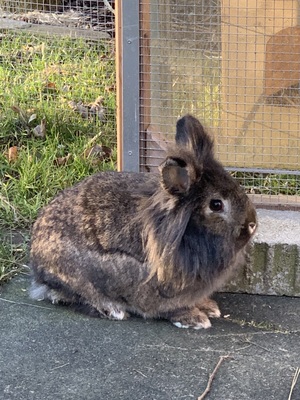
(274, 262)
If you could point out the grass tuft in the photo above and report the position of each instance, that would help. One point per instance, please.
(13, 254)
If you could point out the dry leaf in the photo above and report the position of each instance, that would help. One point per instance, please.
(12, 155)
(40, 130)
(55, 69)
(30, 49)
(16, 109)
(50, 88)
(98, 102)
(50, 85)
(22, 114)
(96, 108)
(98, 153)
(66, 88)
(111, 88)
(59, 161)
(80, 108)
(32, 118)
(92, 109)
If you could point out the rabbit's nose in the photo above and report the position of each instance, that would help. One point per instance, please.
(251, 227)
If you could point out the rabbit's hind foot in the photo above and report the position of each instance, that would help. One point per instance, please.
(99, 309)
(111, 311)
(107, 312)
(39, 292)
(193, 318)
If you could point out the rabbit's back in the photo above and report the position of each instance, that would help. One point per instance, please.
(87, 244)
(96, 213)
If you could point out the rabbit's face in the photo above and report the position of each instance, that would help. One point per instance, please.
(223, 207)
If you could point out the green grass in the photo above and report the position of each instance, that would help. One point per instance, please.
(269, 184)
(13, 254)
(53, 80)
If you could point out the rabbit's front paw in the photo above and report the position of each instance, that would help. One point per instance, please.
(197, 317)
(193, 318)
(209, 307)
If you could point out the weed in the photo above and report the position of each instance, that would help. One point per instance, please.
(264, 326)
(269, 184)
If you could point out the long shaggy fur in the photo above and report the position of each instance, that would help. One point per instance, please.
(178, 249)
(152, 244)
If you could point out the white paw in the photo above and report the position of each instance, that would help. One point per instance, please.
(180, 325)
(214, 313)
(54, 296)
(117, 314)
(38, 291)
(203, 325)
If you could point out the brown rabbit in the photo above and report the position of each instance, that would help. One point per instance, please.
(156, 245)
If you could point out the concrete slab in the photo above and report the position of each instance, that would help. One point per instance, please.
(7, 23)
(51, 30)
(274, 265)
(49, 352)
(278, 227)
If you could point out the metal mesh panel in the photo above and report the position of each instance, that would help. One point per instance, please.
(236, 66)
(57, 63)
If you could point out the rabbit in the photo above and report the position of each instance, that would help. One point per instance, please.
(156, 245)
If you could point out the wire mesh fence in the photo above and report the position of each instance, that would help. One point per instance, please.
(57, 100)
(82, 14)
(236, 66)
(233, 64)
(57, 73)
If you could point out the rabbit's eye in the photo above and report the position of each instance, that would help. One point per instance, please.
(216, 205)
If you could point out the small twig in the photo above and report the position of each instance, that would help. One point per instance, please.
(55, 17)
(212, 376)
(244, 348)
(251, 115)
(291, 102)
(24, 304)
(11, 206)
(20, 265)
(9, 273)
(94, 139)
(108, 6)
(59, 366)
(294, 381)
(257, 345)
(139, 372)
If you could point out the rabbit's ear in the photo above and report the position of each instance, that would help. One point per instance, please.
(191, 134)
(177, 175)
